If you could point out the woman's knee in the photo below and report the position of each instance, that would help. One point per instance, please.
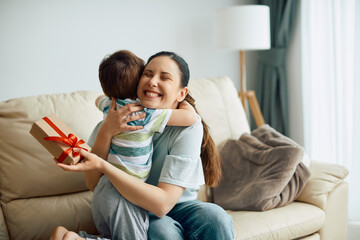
(213, 222)
(164, 228)
(217, 215)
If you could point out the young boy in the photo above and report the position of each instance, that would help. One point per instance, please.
(119, 76)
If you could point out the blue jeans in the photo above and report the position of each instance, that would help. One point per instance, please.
(192, 220)
(116, 218)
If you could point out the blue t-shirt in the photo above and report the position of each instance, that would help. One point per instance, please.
(176, 158)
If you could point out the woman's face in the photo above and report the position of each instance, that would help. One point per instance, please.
(159, 85)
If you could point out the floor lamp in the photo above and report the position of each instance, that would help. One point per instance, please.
(244, 28)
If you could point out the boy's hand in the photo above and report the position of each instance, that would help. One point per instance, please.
(187, 106)
(183, 104)
(116, 121)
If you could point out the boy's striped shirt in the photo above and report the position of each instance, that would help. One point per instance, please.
(131, 151)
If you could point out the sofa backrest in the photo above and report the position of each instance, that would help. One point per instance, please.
(217, 102)
(24, 163)
(32, 185)
(35, 194)
(220, 107)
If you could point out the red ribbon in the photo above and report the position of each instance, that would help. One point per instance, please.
(70, 140)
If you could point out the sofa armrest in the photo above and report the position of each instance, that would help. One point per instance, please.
(324, 178)
(336, 212)
(4, 234)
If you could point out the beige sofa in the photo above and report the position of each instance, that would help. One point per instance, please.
(36, 196)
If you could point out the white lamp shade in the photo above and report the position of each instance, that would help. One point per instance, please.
(243, 27)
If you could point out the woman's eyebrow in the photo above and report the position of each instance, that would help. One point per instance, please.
(166, 73)
(148, 70)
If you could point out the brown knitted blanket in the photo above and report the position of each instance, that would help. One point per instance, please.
(261, 171)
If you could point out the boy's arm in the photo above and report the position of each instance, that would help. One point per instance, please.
(185, 115)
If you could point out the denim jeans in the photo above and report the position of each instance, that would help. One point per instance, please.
(192, 220)
(188, 220)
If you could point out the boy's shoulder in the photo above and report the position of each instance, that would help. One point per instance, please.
(105, 102)
(123, 102)
(102, 102)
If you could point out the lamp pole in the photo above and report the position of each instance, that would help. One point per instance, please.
(242, 78)
(250, 96)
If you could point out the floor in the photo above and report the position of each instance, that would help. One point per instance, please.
(353, 231)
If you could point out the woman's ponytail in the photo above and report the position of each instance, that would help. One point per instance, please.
(210, 156)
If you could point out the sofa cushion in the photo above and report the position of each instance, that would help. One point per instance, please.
(26, 168)
(261, 170)
(219, 105)
(289, 222)
(4, 234)
(36, 218)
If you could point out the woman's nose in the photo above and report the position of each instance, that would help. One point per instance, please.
(153, 81)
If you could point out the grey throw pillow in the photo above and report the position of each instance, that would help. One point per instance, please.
(261, 171)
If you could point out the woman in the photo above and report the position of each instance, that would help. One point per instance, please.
(177, 172)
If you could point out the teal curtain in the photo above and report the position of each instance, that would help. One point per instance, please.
(271, 89)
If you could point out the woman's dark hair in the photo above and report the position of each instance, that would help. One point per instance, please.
(210, 156)
(183, 66)
(119, 74)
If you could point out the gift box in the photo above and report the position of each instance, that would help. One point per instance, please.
(58, 139)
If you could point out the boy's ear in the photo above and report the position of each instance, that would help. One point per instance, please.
(183, 92)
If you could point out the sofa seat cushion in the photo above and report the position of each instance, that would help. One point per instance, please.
(295, 220)
(36, 218)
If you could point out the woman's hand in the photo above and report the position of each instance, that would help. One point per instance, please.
(90, 162)
(116, 121)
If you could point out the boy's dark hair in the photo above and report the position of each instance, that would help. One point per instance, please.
(119, 74)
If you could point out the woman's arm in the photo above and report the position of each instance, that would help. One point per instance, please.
(115, 123)
(185, 115)
(100, 148)
(156, 199)
(162, 198)
(185, 150)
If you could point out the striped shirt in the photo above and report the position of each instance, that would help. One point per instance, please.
(132, 151)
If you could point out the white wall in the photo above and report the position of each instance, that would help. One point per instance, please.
(56, 46)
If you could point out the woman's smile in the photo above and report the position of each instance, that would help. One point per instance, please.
(159, 85)
(149, 93)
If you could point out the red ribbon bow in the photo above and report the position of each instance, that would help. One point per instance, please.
(70, 140)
